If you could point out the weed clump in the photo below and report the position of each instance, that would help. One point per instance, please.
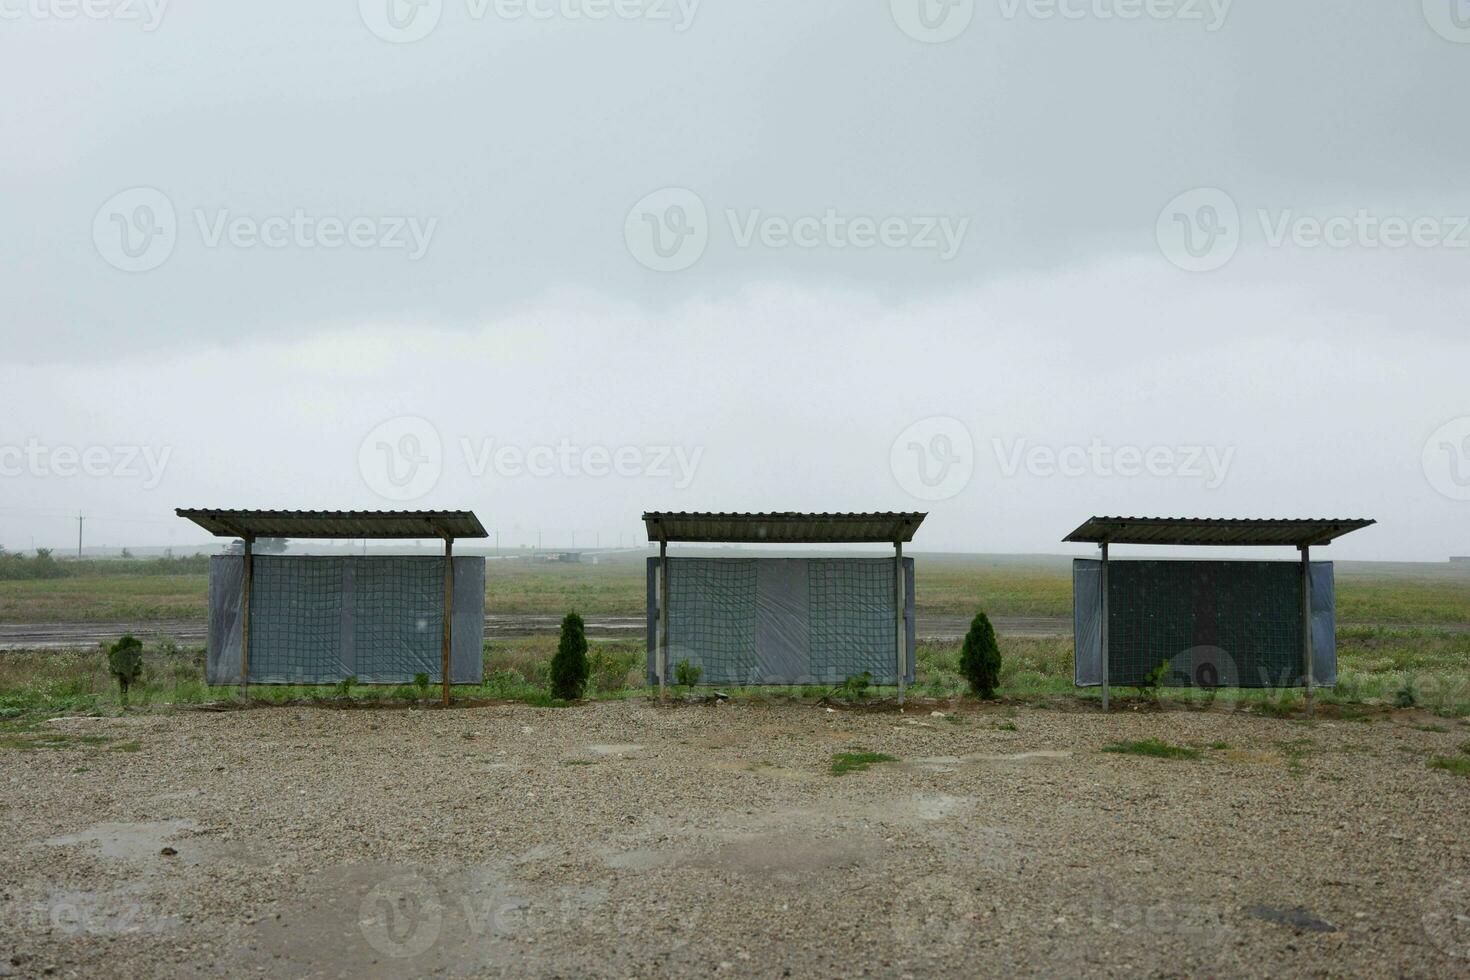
(846, 762)
(1152, 747)
(125, 662)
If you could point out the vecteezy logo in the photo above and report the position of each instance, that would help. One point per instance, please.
(1446, 918)
(402, 458)
(934, 458)
(668, 230)
(1449, 18)
(402, 916)
(1199, 231)
(932, 21)
(1447, 459)
(136, 229)
(401, 21)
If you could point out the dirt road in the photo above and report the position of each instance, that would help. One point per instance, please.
(626, 839)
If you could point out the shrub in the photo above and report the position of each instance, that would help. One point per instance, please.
(687, 674)
(125, 662)
(1149, 686)
(980, 657)
(569, 668)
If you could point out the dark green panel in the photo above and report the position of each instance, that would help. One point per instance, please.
(1217, 623)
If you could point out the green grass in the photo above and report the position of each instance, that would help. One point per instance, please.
(1459, 765)
(1378, 593)
(846, 762)
(1152, 747)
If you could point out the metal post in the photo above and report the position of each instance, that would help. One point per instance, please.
(898, 593)
(249, 542)
(448, 609)
(1105, 664)
(661, 661)
(1307, 623)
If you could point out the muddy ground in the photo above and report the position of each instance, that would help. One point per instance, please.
(628, 839)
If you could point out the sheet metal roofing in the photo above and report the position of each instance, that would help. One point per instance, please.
(336, 523)
(784, 528)
(1292, 532)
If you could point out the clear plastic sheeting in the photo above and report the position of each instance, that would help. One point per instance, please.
(782, 621)
(320, 620)
(1087, 622)
(1216, 623)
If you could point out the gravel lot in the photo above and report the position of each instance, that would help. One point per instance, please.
(628, 839)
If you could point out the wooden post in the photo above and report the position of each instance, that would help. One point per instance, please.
(249, 541)
(1104, 590)
(898, 593)
(661, 660)
(1307, 623)
(448, 609)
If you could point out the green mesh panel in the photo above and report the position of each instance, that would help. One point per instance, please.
(398, 621)
(296, 620)
(712, 618)
(1243, 619)
(852, 622)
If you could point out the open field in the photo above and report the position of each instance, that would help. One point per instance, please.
(622, 839)
(953, 585)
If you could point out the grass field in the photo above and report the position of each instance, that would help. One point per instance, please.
(1379, 593)
(1380, 663)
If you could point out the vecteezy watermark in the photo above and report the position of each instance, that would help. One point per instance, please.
(147, 13)
(1201, 230)
(932, 21)
(1449, 18)
(403, 459)
(934, 458)
(568, 459)
(1446, 918)
(35, 458)
(669, 230)
(1209, 13)
(1446, 459)
(137, 229)
(1209, 465)
(406, 21)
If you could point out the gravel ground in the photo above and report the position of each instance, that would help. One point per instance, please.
(628, 839)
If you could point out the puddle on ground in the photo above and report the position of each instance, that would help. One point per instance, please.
(130, 841)
(628, 749)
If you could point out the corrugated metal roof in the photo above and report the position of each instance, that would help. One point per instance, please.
(336, 523)
(784, 528)
(1293, 532)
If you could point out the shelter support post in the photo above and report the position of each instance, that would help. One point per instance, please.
(1104, 590)
(249, 542)
(448, 610)
(1308, 679)
(661, 660)
(898, 607)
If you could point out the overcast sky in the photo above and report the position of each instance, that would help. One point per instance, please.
(1014, 262)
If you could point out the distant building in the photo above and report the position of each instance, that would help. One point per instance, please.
(1460, 560)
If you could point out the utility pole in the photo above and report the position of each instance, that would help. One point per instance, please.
(497, 543)
(80, 519)
(538, 540)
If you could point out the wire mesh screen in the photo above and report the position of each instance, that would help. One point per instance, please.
(1216, 623)
(781, 620)
(318, 620)
(296, 620)
(851, 619)
(712, 618)
(398, 619)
